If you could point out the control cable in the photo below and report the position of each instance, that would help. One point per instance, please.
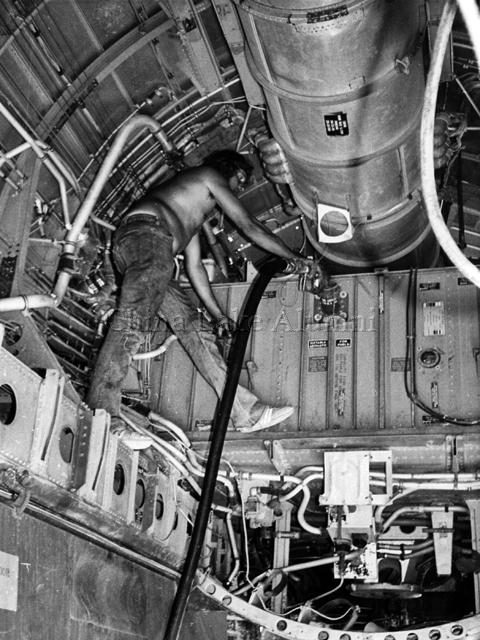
(219, 429)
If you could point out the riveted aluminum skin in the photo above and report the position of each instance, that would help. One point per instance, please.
(344, 374)
(344, 85)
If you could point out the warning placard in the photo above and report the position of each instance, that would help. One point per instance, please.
(317, 344)
(8, 581)
(433, 318)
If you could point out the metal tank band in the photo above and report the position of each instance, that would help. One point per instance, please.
(344, 86)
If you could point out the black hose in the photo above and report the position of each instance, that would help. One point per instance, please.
(219, 429)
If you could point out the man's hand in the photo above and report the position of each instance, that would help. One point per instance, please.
(302, 266)
(224, 328)
(314, 278)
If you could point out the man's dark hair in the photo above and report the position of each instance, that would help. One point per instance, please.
(228, 162)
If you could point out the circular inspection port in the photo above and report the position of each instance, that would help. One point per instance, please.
(119, 479)
(429, 358)
(333, 223)
(8, 404)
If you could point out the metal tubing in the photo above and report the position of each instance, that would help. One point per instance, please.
(233, 546)
(344, 90)
(420, 509)
(101, 178)
(65, 171)
(429, 189)
(47, 162)
(20, 303)
(17, 151)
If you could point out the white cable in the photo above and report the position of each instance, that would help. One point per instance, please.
(427, 170)
(245, 536)
(425, 477)
(147, 355)
(234, 548)
(170, 426)
(301, 486)
(380, 509)
(405, 553)
(301, 514)
(435, 486)
(320, 562)
(268, 477)
(189, 466)
(329, 593)
(471, 17)
(166, 451)
(421, 509)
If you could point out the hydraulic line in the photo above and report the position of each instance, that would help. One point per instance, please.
(219, 429)
(420, 509)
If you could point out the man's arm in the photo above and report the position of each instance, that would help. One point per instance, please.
(256, 232)
(199, 278)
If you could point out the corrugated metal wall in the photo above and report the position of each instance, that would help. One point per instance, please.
(345, 373)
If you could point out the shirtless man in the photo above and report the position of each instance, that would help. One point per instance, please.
(158, 227)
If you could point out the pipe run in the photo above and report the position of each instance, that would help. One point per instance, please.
(421, 509)
(24, 303)
(427, 168)
(50, 164)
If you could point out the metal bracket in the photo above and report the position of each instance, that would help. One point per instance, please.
(442, 527)
(347, 477)
(455, 447)
(278, 456)
(81, 453)
(326, 209)
(47, 414)
(17, 483)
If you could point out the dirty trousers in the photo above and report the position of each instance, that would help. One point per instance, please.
(143, 255)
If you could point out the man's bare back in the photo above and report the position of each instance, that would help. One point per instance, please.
(184, 202)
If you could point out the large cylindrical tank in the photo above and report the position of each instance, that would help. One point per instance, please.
(344, 86)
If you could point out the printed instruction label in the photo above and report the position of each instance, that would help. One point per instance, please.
(340, 384)
(319, 343)
(269, 294)
(433, 318)
(434, 394)
(8, 581)
(343, 342)
(336, 124)
(428, 286)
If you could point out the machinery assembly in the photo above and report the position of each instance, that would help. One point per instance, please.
(358, 516)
